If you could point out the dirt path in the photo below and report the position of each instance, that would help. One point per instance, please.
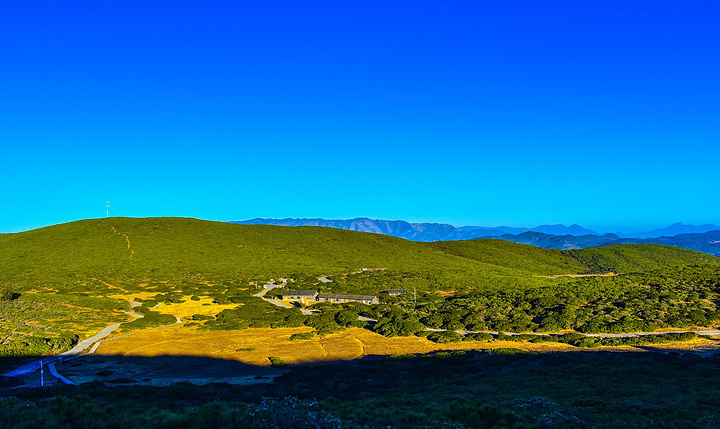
(127, 239)
(80, 347)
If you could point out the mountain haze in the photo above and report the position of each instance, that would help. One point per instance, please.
(418, 231)
(396, 228)
(708, 242)
(545, 236)
(674, 229)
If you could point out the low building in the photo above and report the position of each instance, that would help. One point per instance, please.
(299, 295)
(341, 298)
(395, 292)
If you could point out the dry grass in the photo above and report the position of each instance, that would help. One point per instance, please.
(187, 309)
(256, 345)
(132, 295)
(181, 341)
(262, 343)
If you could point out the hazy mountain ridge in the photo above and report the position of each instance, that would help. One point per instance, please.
(396, 228)
(418, 231)
(545, 236)
(672, 230)
(708, 242)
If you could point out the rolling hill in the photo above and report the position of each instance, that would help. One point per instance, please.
(130, 251)
(74, 278)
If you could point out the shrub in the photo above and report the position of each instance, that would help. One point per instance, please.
(508, 351)
(480, 336)
(6, 294)
(445, 337)
(398, 324)
(276, 361)
(302, 336)
(201, 317)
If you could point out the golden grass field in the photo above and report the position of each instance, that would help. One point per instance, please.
(255, 346)
(132, 295)
(189, 308)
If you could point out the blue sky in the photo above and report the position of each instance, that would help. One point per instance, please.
(517, 113)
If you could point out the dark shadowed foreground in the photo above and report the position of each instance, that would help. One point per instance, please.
(445, 389)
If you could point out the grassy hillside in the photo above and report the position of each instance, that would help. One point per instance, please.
(626, 258)
(88, 267)
(519, 257)
(132, 251)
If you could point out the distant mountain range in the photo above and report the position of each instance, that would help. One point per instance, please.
(703, 238)
(545, 229)
(396, 228)
(674, 229)
(707, 242)
(419, 231)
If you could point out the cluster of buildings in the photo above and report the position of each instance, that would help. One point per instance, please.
(313, 296)
(304, 296)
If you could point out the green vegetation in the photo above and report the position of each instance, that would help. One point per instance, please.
(55, 283)
(44, 324)
(445, 337)
(302, 336)
(257, 314)
(82, 411)
(63, 274)
(276, 361)
(678, 297)
(167, 254)
(150, 319)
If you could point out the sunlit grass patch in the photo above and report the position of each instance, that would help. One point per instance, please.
(132, 295)
(187, 309)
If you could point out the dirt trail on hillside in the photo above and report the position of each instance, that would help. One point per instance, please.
(127, 239)
(555, 276)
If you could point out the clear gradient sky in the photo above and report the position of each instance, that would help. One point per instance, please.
(601, 113)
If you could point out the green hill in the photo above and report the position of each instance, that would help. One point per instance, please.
(61, 277)
(127, 252)
(132, 251)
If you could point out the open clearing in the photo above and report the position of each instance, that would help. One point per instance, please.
(187, 309)
(255, 346)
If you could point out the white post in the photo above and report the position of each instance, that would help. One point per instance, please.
(42, 380)
(108, 209)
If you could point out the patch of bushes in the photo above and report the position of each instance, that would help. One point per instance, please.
(445, 337)
(302, 336)
(508, 351)
(276, 361)
(480, 336)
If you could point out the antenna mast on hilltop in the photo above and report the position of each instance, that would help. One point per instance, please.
(108, 208)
